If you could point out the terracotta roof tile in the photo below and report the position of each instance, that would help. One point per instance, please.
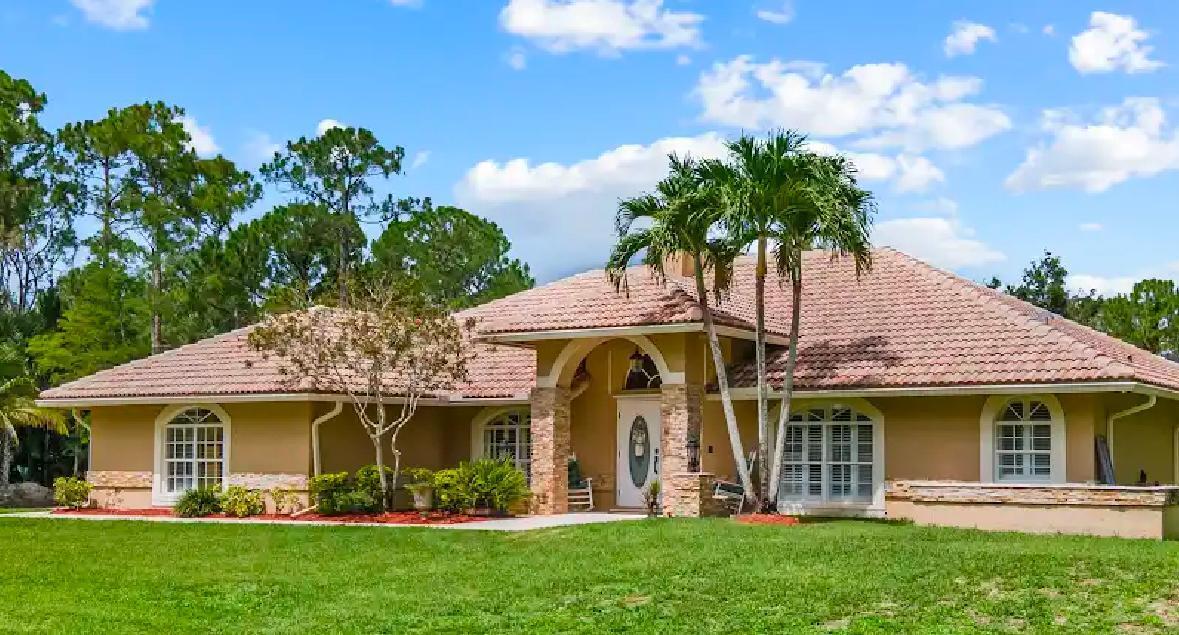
(904, 324)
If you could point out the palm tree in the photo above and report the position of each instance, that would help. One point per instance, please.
(838, 219)
(679, 218)
(18, 410)
(763, 182)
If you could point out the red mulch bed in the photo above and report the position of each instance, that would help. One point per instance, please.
(767, 519)
(389, 518)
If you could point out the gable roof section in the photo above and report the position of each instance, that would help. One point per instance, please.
(226, 365)
(908, 324)
(904, 324)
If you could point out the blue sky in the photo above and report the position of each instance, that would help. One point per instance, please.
(990, 131)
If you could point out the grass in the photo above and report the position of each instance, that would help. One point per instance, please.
(17, 510)
(649, 576)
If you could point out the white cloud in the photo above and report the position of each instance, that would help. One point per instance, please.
(200, 138)
(409, 4)
(606, 26)
(327, 124)
(1127, 141)
(419, 159)
(1048, 30)
(966, 36)
(516, 58)
(940, 205)
(1112, 42)
(942, 242)
(1091, 227)
(683, 60)
(121, 15)
(884, 103)
(561, 215)
(908, 173)
(260, 147)
(781, 15)
(1104, 285)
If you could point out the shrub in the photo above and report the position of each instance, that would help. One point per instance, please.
(71, 492)
(241, 502)
(284, 500)
(481, 484)
(203, 501)
(339, 493)
(368, 481)
(418, 478)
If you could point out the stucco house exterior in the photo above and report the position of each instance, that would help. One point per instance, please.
(921, 395)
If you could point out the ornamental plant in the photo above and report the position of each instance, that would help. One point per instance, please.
(195, 503)
(482, 484)
(240, 502)
(71, 492)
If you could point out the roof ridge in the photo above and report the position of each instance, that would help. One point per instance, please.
(1019, 311)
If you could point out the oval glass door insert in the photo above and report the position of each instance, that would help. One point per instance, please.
(639, 451)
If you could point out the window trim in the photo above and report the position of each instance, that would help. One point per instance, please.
(489, 414)
(988, 429)
(845, 508)
(159, 495)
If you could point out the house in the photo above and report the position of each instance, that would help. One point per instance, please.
(921, 395)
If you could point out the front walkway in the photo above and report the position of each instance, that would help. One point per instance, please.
(520, 523)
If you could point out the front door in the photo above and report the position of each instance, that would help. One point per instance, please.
(638, 448)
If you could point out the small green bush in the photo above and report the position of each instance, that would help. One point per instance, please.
(340, 493)
(419, 476)
(368, 482)
(241, 502)
(284, 500)
(71, 492)
(203, 501)
(481, 484)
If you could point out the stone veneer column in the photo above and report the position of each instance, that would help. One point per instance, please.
(681, 412)
(550, 450)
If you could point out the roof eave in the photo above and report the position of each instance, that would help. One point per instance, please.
(513, 337)
(746, 393)
(94, 402)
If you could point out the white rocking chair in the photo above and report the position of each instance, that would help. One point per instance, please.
(582, 497)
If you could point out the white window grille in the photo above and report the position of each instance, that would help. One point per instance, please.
(1023, 442)
(194, 451)
(829, 457)
(509, 436)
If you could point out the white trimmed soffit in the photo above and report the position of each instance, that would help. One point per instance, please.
(578, 348)
(94, 402)
(620, 331)
(982, 389)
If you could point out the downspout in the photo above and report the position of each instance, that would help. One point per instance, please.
(1151, 400)
(77, 412)
(323, 418)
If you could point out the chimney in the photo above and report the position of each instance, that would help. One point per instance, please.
(680, 264)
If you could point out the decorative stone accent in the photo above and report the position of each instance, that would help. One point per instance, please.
(252, 480)
(121, 480)
(690, 494)
(960, 492)
(681, 412)
(550, 450)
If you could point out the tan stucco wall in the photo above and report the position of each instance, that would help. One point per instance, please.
(1130, 522)
(436, 437)
(1143, 441)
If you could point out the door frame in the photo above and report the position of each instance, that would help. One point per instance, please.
(649, 405)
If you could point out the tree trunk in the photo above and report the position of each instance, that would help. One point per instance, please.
(788, 379)
(763, 416)
(380, 463)
(157, 324)
(722, 381)
(7, 445)
(342, 266)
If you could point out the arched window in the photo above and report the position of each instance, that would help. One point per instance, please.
(1023, 441)
(642, 374)
(508, 436)
(830, 457)
(194, 451)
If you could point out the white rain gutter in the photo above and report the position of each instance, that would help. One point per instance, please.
(1151, 400)
(323, 418)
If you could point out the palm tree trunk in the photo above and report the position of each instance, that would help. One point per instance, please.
(7, 445)
(763, 416)
(788, 379)
(722, 381)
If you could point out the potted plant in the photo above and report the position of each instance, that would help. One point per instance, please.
(651, 498)
(421, 485)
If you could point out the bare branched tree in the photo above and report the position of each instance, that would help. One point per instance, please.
(387, 353)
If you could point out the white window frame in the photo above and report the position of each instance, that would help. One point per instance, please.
(993, 415)
(824, 504)
(489, 417)
(160, 494)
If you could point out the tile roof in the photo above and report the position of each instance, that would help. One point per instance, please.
(903, 324)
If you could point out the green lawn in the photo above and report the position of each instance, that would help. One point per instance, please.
(649, 576)
(21, 510)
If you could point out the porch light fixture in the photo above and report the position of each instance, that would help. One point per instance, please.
(636, 361)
